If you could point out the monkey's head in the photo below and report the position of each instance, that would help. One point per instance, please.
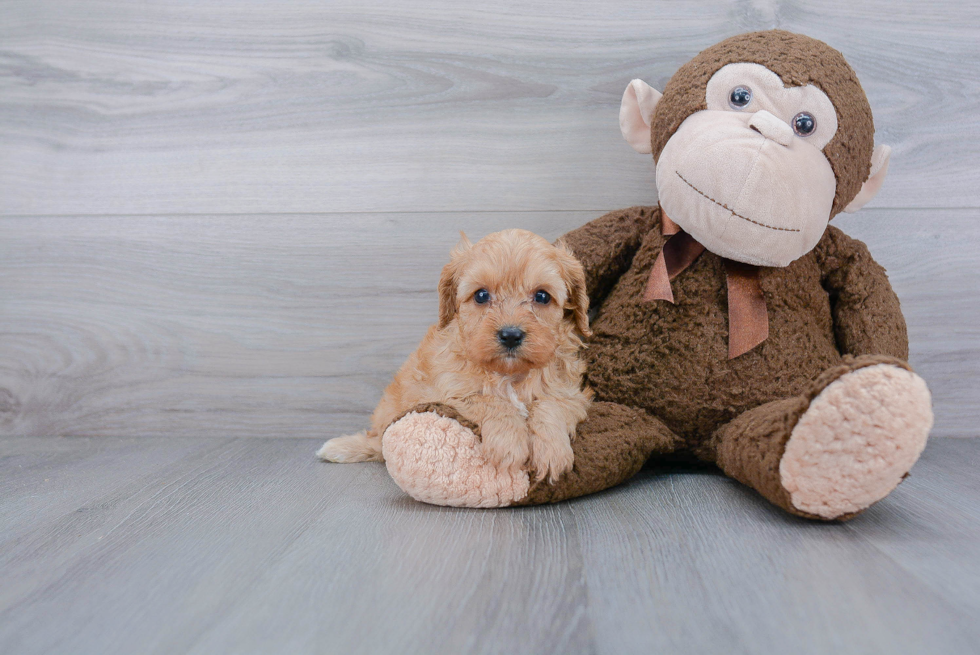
(759, 141)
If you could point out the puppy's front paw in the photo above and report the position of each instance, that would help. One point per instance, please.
(505, 443)
(551, 456)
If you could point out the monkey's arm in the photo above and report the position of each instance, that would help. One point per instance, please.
(606, 246)
(867, 316)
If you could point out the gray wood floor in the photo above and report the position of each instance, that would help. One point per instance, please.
(211, 545)
(221, 226)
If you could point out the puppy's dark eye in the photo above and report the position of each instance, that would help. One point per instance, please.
(481, 297)
(542, 297)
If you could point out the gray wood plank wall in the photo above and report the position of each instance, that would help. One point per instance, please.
(229, 217)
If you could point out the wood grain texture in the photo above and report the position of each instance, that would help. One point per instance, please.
(119, 107)
(253, 546)
(267, 326)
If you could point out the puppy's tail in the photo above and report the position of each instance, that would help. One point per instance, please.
(360, 447)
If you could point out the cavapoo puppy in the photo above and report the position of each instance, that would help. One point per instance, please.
(512, 308)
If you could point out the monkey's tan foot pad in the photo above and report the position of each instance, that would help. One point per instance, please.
(437, 460)
(856, 441)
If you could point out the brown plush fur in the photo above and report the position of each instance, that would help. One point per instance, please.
(672, 359)
(671, 362)
(798, 60)
(610, 447)
(527, 401)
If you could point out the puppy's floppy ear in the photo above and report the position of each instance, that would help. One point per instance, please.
(449, 281)
(574, 276)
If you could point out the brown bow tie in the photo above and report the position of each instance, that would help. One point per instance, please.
(748, 320)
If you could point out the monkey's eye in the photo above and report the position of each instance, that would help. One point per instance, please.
(804, 123)
(542, 297)
(481, 297)
(740, 97)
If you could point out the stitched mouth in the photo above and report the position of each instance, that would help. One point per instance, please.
(734, 213)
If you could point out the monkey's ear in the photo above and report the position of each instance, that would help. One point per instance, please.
(639, 101)
(449, 281)
(879, 168)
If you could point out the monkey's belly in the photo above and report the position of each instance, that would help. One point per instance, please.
(672, 359)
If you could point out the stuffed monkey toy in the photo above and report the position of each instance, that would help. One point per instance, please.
(732, 323)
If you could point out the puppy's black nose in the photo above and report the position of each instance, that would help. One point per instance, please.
(510, 337)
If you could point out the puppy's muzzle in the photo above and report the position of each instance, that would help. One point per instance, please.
(510, 337)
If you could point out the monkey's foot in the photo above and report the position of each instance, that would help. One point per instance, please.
(856, 441)
(437, 460)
